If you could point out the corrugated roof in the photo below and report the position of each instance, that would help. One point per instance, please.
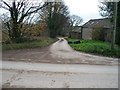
(77, 29)
(105, 23)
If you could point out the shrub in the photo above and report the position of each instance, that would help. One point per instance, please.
(97, 47)
(98, 33)
(29, 44)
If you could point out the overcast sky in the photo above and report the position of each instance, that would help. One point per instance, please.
(87, 9)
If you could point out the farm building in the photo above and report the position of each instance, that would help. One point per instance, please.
(93, 25)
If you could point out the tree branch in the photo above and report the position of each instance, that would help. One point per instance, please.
(6, 4)
(36, 9)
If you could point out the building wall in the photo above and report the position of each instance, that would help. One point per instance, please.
(76, 35)
(87, 33)
(108, 36)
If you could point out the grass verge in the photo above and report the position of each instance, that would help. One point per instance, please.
(96, 47)
(32, 44)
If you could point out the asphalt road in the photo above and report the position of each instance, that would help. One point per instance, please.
(42, 75)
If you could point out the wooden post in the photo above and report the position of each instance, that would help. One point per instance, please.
(115, 26)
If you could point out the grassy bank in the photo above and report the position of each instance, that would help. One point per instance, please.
(96, 47)
(32, 44)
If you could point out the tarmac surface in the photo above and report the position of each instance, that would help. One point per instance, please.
(43, 75)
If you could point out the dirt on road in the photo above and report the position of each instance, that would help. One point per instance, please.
(44, 75)
(59, 52)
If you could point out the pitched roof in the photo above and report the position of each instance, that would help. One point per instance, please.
(104, 22)
(76, 29)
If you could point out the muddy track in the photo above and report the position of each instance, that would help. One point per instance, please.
(59, 52)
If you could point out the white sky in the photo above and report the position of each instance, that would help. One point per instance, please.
(87, 9)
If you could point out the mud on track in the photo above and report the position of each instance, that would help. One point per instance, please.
(59, 52)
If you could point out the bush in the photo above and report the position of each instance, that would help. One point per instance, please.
(97, 47)
(98, 34)
(29, 44)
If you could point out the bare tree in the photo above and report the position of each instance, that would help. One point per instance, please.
(4, 20)
(75, 20)
(19, 10)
